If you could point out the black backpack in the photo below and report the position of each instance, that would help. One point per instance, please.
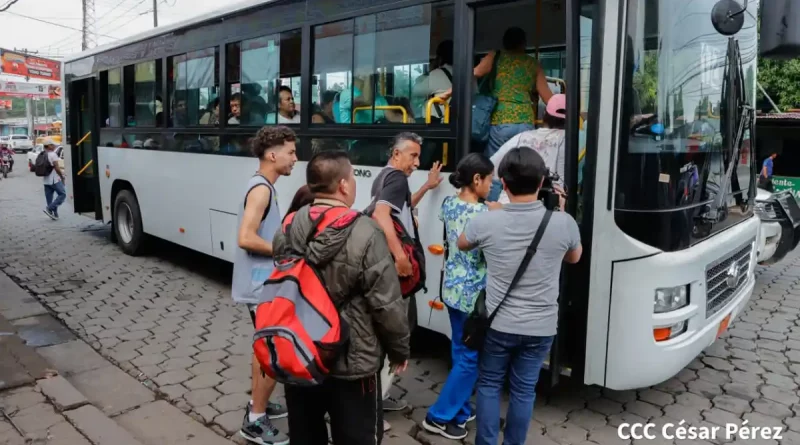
(42, 166)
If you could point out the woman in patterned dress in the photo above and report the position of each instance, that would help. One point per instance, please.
(517, 77)
(464, 278)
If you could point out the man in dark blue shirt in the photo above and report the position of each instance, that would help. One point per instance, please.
(765, 178)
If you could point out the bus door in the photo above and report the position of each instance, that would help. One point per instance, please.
(84, 168)
(562, 30)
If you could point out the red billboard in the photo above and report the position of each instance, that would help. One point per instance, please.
(31, 67)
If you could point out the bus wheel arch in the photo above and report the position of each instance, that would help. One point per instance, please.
(126, 219)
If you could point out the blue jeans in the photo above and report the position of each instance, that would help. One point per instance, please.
(523, 355)
(453, 402)
(500, 134)
(49, 190)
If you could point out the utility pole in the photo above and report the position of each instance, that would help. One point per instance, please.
(155, 13)
(89, 39)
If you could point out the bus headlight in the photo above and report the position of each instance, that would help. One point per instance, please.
(671, 298)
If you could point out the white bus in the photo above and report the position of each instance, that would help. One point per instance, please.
(658, 182)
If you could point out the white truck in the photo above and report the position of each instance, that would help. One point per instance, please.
(21, 143)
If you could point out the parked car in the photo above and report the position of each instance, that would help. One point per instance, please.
(33, 154)
(779, 232)
(21, 143)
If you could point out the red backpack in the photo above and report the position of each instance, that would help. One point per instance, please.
(299, 334)
(412, 246)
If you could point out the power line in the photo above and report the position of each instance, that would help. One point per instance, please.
(54, 24)
(8, 5)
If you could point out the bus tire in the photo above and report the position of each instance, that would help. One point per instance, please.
(127, 223)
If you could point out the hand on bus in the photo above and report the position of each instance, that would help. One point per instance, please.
(562, 196)
(434, 176)
(446, 95)
(403, 266)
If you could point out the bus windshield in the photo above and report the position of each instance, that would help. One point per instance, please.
(672, 158)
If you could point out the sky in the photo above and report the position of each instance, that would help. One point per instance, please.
(115, 19)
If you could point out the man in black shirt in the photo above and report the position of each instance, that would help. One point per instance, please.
(392, 196)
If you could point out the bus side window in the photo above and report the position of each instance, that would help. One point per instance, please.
(264, 80)
(377, 68)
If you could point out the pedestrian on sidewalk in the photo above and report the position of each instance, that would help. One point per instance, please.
(357, 269)
(392, 198)
(520, 336)
(464, 278)
(53, 179)
(259, 219)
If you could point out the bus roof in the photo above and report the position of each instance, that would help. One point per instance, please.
(155, 32)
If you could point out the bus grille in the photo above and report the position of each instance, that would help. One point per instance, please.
(725, 277)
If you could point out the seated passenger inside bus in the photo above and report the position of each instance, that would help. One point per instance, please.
(287, 112)
(548, 141)
(518, 76)
(361, 95)
(236, 109)
(211, 116)
(324, 114)
(438, 82)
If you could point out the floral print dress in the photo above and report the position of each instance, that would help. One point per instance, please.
(465, 272)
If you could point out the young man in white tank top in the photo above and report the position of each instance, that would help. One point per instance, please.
(259, 219)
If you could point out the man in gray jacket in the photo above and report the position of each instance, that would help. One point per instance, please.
(357, 269)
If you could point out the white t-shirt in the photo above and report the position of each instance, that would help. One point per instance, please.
(548, 142)
(285, 120)
(436, 82)
(53, 177)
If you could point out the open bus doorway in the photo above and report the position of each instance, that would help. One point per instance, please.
(83, 154)
(559, 36)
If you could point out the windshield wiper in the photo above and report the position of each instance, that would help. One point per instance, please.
(738, 115)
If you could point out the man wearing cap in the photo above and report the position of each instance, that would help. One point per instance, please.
(547, 140)
(53, 181)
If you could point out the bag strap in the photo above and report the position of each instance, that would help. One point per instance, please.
(529, 253)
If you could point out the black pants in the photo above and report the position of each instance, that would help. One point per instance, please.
(354, 406)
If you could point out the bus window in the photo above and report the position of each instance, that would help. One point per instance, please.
(194, 83)
(377, 67)
(144, 103)
(260, 69)
(114, 94)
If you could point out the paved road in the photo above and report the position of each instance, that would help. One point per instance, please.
(168, 319)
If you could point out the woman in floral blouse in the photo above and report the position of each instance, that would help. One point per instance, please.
(464, 278)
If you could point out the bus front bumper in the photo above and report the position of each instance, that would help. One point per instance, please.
(635, 358)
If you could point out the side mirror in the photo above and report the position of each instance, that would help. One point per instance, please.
(780, 29)
(727, 16)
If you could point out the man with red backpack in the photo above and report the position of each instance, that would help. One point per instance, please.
(393, 209)
(352, 265)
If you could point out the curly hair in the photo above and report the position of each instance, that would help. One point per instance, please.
(271, 137)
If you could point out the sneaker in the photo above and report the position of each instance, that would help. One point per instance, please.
(471, 418)
(50, 214)
(262, 431)
(276, 411)
(386, 426)
(392, 404)
(448, 430)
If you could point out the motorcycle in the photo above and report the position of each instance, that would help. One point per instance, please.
(5, 165)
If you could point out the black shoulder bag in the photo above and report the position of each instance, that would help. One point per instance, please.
(479, 321)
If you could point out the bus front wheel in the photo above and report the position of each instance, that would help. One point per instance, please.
(128, 223)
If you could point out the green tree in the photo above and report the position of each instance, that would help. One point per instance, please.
(645, 82)
(781, 80)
